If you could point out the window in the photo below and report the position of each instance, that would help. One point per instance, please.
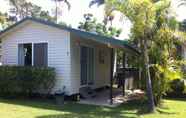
(33, 54)
(40, 54)
(25, 54)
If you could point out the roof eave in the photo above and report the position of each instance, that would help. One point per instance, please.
(95, 37)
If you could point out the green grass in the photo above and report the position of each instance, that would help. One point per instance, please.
(43, 109)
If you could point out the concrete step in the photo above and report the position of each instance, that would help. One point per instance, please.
(87, 92)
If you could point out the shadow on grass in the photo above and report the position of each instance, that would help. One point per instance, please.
(165, 112)
(176, 98)
(70, 109)
(160, 109)
(83, 116)
(132, 109)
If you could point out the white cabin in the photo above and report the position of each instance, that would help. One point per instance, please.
(79, 58)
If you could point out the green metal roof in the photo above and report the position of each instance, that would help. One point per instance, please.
(102, 39)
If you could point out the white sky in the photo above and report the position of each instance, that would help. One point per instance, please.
(80, 7)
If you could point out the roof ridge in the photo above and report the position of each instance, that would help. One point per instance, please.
(96, 37)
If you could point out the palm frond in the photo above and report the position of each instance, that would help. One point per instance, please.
(68, 4)
(182, 3)
(98, 2)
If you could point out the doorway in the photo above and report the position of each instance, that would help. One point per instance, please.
(87, 66)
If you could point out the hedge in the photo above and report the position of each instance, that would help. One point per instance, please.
(19, 80)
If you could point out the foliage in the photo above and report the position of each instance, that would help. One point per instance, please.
(2, 18)
(166, 57)
(161, 78)
(183, 25)
(17, 80)
(90, 24)
(22, 8)
(177, 87)
(142, 15)
(58, 5)
(155, 32)
(46, 16)
(5, 21)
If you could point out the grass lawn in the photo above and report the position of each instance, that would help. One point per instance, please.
(41, 109)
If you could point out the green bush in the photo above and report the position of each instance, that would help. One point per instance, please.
(177, 87)
(19, 80)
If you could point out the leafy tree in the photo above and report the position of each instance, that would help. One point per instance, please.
(155, 32)
(183, 25)
(90, 24)
(22, 8)
(5, 21)
(64, 24)
(45, 15)
(141, 15)
(57, 7)
(2, 18)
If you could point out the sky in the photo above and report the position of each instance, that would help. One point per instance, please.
(80, 7)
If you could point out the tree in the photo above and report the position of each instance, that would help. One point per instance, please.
(22, 8)
(183, 25)
(37, 12)
(140, 13)
(2, 18)
(57, 7)
(90, 24)
(5, 21)
(45, 15)
(150, 20)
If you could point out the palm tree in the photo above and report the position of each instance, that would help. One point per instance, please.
(109, 8)
(57, 3)
(182, 2)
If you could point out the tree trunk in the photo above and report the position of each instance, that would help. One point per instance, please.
(56, 11)
(142, 66)
(148, 79)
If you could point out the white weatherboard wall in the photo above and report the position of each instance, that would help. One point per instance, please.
(102, 71)
(58, 49)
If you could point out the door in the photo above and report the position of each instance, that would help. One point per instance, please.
(87, 66)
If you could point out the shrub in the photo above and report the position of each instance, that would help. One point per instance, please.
(161, 77)
(19, 80)
(177, 87)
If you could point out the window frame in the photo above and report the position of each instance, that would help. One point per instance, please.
(18, 53)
